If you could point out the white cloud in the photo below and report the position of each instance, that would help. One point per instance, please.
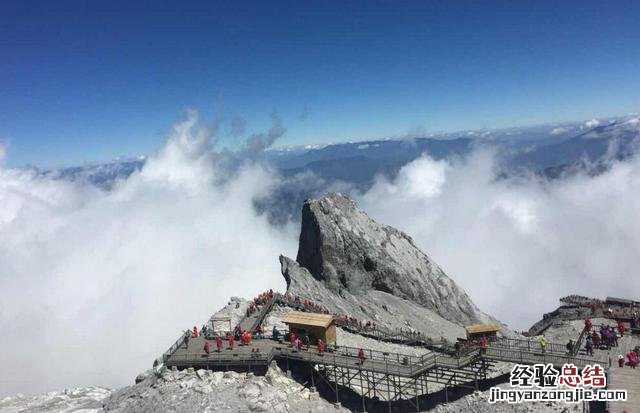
(517, 246)
(94, 285)
(592, 123)
(558, 131)
(421, 178)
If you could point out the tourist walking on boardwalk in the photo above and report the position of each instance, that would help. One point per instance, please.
(186, 338)
(320, 346)
(570, 347)
(207, 347)
(195, 331)
(361, 356)
(296, 345)
(633, 359)
(589, 345)
(292, 338)
(219, 343)
(484, 343)
(230, 341)
(543, 343)
(596, 340)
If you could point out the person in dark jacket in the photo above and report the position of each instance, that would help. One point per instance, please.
(186, 339)
(569, 347)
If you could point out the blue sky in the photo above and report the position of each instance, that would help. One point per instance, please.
(89, 81)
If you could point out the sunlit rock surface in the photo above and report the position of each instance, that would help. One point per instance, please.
(357, 259)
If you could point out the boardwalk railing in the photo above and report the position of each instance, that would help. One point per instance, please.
(530, 345)
(263, 313)
(530, 357)
(379, 361)
(175, 346)
(343, 356)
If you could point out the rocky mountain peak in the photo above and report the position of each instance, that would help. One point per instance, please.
(347, 251)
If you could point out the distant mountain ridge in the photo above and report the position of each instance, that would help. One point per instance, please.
(550, 151)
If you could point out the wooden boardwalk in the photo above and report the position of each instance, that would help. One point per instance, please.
(404, 376)
(625, 379)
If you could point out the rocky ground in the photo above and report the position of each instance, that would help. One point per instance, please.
(85, 400)
(206, 391)
(183, 391)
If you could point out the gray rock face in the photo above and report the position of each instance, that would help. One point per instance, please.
(385, 309)
(347, 251)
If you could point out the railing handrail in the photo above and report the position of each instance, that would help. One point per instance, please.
(175, 345)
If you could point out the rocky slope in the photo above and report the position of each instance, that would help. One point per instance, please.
(383, 308)
(182, 391)
(84, 399)
(207, 391)
(353, 258)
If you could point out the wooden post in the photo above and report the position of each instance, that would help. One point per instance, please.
(362, 391)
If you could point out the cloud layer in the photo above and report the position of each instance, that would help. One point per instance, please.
(94, 285)
(518, 245)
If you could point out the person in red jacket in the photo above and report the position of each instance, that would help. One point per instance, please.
(320, 346)
(230, 341)
(361, 356)
(484, 343)
(621, 328)
(219, 343)
(195, 331)
(588, 324)
(633, 359)
(207, 347)
(292, 339)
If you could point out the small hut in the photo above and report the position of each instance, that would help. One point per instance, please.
(477, 331)
(314, 325)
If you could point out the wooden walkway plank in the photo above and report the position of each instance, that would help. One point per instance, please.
(627, 379)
